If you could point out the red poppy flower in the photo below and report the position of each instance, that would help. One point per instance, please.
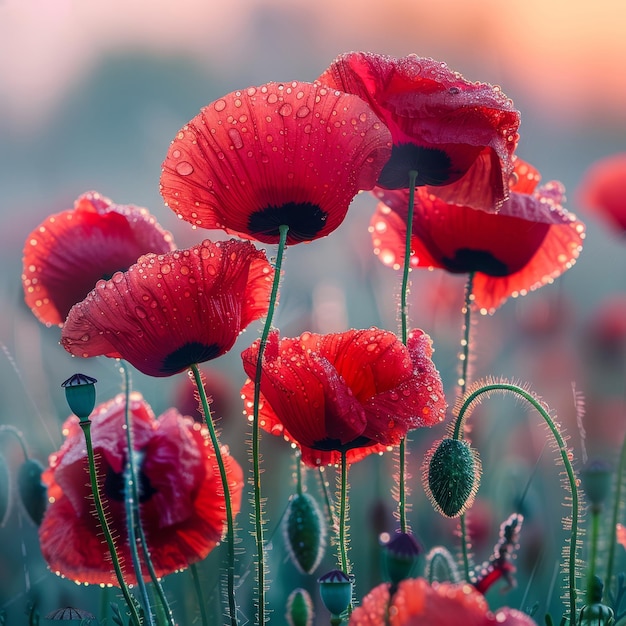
(70, 251)
(531, 241)
(181, 498)
(170, 311)
(359, 391)
(418, 603)
(446, 128)
(603, 188)
(292, 154)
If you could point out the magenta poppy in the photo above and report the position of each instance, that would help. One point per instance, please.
(182, 505)
(294, 154)
(418, 603)
(66, 255)
(359, 391)
(603, 189)
(531, 241)
(451, 131)
(170, 311)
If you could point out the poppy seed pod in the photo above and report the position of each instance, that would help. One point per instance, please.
(401, 556)
(304, 532)
(80, 393)
(299, 608)
(336, 591)
(451, 476)
(32, 491)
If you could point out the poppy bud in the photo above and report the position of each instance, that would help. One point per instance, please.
(5, 491)
(304, 531)
(401, 556)
(336, 591)
(596, 479)
(80, 393)
(299, 608)
(596, 615)
(31, 490)
(74, 616)
(451, 476)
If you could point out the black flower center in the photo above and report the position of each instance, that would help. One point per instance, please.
(114, 486)
(189, 354)
(305, 221)
(466, 260)
(335, 444)
(433, 167)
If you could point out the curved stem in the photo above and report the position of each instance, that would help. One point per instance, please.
(256, 459)
(230, 527)
(404, 323)
(565, 456)
(135, 526)
(11, 430)
(85, 424)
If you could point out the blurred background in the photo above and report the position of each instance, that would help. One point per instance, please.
(91, 94)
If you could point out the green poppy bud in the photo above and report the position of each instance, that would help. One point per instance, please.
(80, 393)
(451, 476)
(336, 591)
(32, 491)
(304, 530)
(299, 608)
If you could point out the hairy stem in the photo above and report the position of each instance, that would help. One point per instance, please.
(256, 458)
(199, 595)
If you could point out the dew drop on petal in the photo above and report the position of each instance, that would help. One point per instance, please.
(285, 110)
(220, 105)
(140, 312)
(235, 137)
(184, 168)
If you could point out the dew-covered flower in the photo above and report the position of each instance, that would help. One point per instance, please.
(451, 131)
(356, 392)
(530, 242)
(66, 255)
(170, 311)
(180, 492)
(418, 603)
(293, 154)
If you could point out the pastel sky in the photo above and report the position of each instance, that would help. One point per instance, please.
(566, 56)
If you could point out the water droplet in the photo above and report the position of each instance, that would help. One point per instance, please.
(140, 312)
(166, 269)
(235, 137)
(220, 105)
(184, 168)
(272, 98)
(303, 111)
(285, 110)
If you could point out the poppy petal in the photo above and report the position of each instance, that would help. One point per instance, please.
(69, 252)
(170, 311)
(292, 154)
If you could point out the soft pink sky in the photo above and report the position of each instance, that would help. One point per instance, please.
(567, 55)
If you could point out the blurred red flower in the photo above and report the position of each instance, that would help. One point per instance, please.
(418, 603)
(294, 154)
(170, 311)
(359, 391)
(451, 131)
(181, 498)
(603, 189)
(70, 251)
(531, 241)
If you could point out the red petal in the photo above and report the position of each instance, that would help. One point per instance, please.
(295, 146)
(69, 252)
(168, 312)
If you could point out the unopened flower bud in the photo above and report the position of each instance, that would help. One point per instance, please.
(304, 531)
(336, 591)
(80, 393)
(451, 476)
(31, 490)
(299, 608)
(401, 556)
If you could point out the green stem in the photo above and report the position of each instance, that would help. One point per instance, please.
(329, 505)
(85, 424)
(11, 430)
(565, 457)
(230, 527)
(198, 589)
(256, 458)
(615, 517)
(298, 475)
(404, 321)
(343, 515)
(463, 380)
(595, 534)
